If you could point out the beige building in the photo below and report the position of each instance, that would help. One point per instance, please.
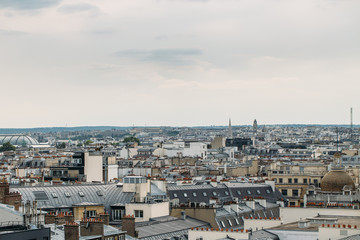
(144, 211)
(293, 180)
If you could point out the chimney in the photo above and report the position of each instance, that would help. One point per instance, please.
(50, 218)
(183, 215)
(71, 230)
(59, 219)
(91, 227)
(128, 225)
(69, 217)
(105, 217)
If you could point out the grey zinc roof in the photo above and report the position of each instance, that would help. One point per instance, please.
(111, 194)
(176, 227)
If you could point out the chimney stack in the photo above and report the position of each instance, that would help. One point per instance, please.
(71, 230)
(128, 225)
(91, 227)
(105, 217)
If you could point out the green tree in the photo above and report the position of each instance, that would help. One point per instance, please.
(88, 142)
(62, 145)
(131, 139)
(7, 147)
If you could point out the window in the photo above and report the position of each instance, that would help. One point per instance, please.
(226, 193)
(237, 221)
(229, 221)
(91, 213)
(214, 193)
(295, 180)
(185, 195)
(284, 192)
(222, 224)
(305, 180)
(67, 194)
(238, 192)
(175, 195)
(204, 194)
(54, 195)
(139, 213)
(248, 191)
(295, 192)
(258, 191)
(267, 191)
(280, 180)
(194, 194)
(117, 214)
(81, 194)
(290, 180)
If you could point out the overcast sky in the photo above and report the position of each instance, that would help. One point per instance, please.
(178, 62)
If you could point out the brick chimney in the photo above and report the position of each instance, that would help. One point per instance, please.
(71, 230)
(105, 217)
(128, 225)
(68, 217)
(50, 218)
(91, 227)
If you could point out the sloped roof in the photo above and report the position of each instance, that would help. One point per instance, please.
(66, 196)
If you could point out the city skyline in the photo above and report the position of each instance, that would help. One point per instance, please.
(178, 63)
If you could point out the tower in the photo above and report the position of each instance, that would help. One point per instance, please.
(230, 129)
(351, 123)
(254, 132)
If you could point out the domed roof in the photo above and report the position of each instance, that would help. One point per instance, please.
(335, 180)
(18, 140)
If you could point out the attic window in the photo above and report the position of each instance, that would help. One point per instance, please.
(237, 221)
(214, 193)
(175, 195)
(99, 193)
(258, 191)
(81, 194)
(185, 195)
(267, 191)
(204, 194)
(194, 194)
(226, 193)
(54, 195)
(222, 224)
(248, 191)
(67, 194)
(238, 192)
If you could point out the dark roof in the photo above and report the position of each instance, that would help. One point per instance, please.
(203, 193)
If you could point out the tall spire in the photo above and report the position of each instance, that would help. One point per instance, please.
(230, 129)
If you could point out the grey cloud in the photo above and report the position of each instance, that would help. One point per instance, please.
(176, 56)
(81, 7)
(11, 33)
(27, 4)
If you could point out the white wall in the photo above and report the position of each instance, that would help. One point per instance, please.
(93, 168)
(215, 235)
(258, 224)
(151, 210)
(326, 233)
(112, 172)
(295, 235)
(289, 215)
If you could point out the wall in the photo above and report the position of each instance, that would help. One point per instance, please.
(93, 167)
(203, 214)
(289, 215)
(79, 211)
(326, 233)
(215, 235)
(150, 210)
(257, 224)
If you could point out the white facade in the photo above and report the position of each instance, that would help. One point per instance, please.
(93, 167)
